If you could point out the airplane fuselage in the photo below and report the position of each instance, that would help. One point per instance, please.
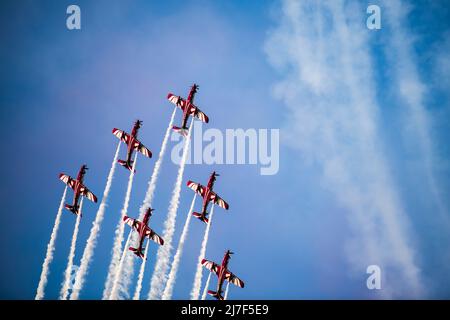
(142, 230)
(189, 101)
(132, 142)
(207, 197)
(185, 118)
(141, 237)
(221, 275)
(77, 187)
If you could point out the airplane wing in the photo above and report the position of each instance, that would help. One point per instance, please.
(133, 223)
(218, 200)
(197, 187)
(177, 100)
(211, 266)
(196, 112)
(149, 233)
(138, 146)
(88, 194)
(122, 135)
(230, 277)
(67, 180)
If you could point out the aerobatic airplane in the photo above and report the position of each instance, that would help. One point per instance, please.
(78, 189)
(208, 195)
(188, 108)
(223, 274)
(144, 232)
(133, 144)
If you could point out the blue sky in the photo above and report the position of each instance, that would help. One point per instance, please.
(363, 118)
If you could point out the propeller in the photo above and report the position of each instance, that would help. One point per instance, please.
(195, 87)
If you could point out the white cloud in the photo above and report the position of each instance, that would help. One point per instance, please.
(328, 88)
(442, 61)
(412, 92)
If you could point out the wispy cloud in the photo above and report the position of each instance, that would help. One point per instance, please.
(412, 91)
(442, 62)
(322, 51)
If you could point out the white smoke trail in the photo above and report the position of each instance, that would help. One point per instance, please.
(148, 202)
(137, 292)
(225, 297)
(154, 178)
(118, 239)
(128, 270)
(205, 290)
(66, 284)
(198, 274)
(159, 276)
(50, 250)
(92, 240)
(115, 286)
(167, 295)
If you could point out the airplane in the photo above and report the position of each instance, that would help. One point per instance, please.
(208, 195)
(222, 273)
(78, 189)
(144, 232)
(133, 144)
(188, 108)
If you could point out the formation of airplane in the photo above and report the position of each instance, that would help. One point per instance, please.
(223, 274)
(142, 227)
(144, 231)
(188, 108)
(133, 144)
(79, 189)
(208, 196)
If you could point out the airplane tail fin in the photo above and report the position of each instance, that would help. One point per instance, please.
(137, 252)
(73, 209)
(182, 131)
(215, 294)
(201, 217)
(128, 165)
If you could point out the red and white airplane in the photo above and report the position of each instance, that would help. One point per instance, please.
(133, 144)
(144, 232)
(189, 109)
(208, 195)
(223, 274)
(78, 189)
